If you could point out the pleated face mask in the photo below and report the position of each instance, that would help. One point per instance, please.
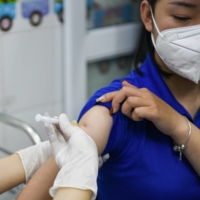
(179, 48)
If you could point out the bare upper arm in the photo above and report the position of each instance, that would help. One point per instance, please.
(97, 123)
(38, 187)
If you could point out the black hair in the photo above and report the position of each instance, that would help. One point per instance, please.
(145, 46)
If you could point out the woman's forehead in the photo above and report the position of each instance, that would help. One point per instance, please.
(186, 3)
(193, 5)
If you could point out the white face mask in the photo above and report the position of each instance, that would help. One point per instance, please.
(179, 48)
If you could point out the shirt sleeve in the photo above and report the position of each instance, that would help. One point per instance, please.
(114, 86)
(118, 118)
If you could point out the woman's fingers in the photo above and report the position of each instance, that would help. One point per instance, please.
(123, 94)
(107, 97)
(135, 116)
(125, 83)
(120, 96)
(131, 108)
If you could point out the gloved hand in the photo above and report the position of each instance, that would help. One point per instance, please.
(34, 157)
(77, 158)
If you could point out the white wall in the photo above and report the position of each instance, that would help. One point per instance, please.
(30, 74)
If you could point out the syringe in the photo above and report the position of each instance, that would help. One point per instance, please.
(50, 120)
(46, 119)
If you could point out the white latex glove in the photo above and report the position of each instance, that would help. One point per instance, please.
(34, 157)
(77, 158)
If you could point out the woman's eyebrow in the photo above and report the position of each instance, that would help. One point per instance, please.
(182, 3)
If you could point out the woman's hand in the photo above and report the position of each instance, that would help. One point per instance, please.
(142, 103)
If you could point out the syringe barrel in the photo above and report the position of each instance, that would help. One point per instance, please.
(49, 120)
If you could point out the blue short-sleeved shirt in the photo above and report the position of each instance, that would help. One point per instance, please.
(142, 163)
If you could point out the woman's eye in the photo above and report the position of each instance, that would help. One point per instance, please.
(181, 18)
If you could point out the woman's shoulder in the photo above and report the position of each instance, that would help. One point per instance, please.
(115, 85)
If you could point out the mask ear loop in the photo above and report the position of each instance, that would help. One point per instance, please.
(154, 22)
(153, 41)
(159, 33)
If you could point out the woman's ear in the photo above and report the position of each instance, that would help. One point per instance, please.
(146, 15)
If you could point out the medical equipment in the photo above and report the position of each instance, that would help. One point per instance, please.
(34, 157)
(46, 119)
(50, 120)
(178, 49)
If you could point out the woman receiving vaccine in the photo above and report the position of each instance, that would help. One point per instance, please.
(149, 120)
(154, 136)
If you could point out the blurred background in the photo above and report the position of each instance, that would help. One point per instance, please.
(54, 55)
